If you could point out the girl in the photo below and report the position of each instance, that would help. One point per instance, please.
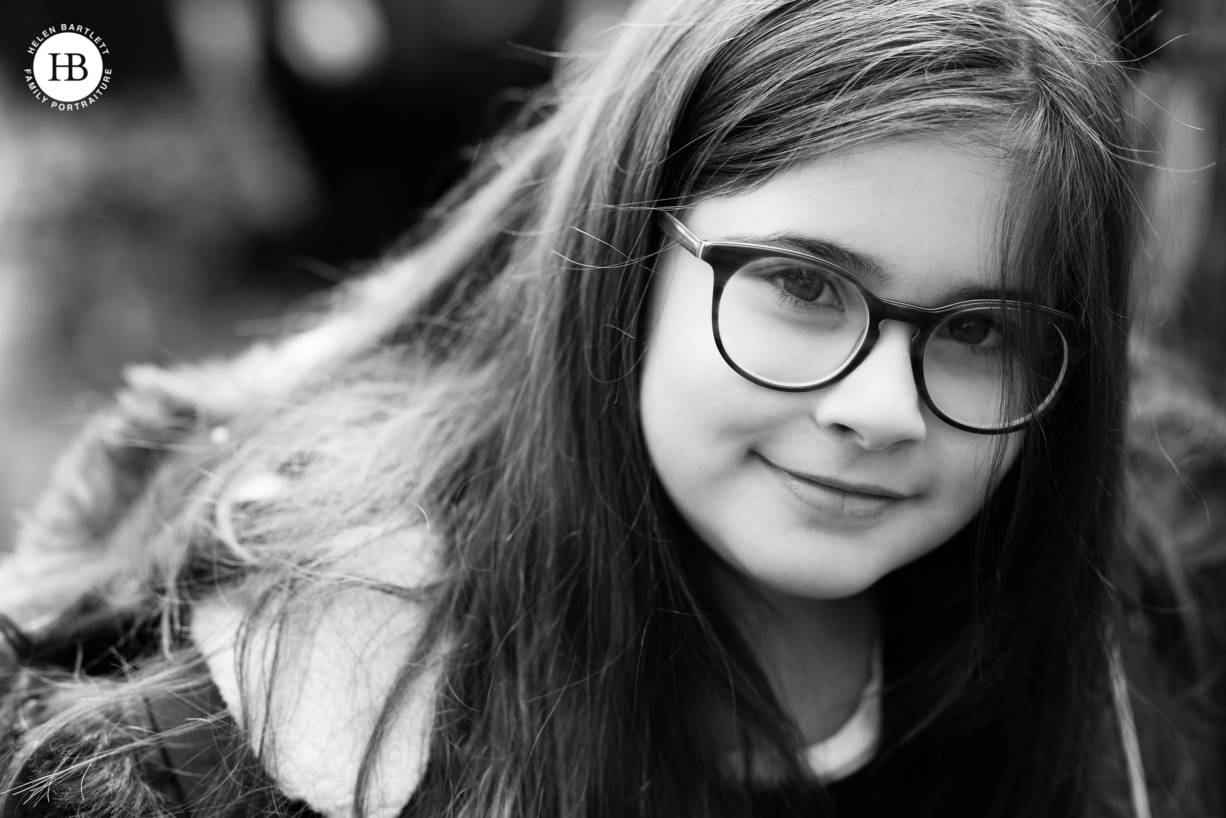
(745, 438)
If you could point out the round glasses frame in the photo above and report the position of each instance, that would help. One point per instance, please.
(727, 257)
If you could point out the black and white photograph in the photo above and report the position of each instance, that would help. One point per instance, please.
(613, 409)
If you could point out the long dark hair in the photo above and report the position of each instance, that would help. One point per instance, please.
(485, 386)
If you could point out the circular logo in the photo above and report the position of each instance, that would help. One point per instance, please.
(68, 70)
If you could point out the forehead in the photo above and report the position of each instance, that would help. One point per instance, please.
(926, 213)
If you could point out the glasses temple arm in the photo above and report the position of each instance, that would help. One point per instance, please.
(674, 229)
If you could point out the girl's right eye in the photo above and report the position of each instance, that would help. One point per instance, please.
(809, 285)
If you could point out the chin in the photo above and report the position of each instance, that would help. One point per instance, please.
(831, 580)
(827, 587)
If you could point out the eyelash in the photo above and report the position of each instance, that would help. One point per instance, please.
(780, 278)
(975, 349)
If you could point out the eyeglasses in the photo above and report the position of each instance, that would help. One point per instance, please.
(794, 322)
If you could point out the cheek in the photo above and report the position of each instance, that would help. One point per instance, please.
(974, 466)
(698, 416)
(688, 391)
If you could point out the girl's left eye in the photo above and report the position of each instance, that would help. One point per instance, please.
(975, 330)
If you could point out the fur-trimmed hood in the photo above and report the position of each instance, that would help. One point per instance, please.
(87, 538)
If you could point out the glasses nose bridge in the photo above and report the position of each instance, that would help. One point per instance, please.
(920, 321)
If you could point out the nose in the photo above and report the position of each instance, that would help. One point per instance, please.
(877, 403)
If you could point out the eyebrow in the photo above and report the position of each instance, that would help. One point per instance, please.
(978, 292)
(870, 267)
(841, 256)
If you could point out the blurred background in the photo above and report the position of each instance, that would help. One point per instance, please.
(248, 154)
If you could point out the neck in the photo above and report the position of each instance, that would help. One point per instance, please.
(816, 653)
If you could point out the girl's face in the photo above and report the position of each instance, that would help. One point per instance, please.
(820, 494)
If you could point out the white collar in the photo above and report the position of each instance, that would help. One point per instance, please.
(836, 757)
(856, 742)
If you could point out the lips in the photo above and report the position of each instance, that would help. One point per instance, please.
(839, 499)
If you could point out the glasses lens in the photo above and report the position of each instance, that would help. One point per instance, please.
(991, 368)
(791, 323)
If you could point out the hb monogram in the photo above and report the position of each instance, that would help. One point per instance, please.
(75, 62)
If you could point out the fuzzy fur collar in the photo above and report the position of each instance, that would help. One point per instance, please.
(310, 721)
